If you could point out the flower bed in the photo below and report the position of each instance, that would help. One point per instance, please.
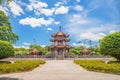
(20, 66)
(99, 66)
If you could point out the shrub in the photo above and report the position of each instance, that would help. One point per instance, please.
(20, 66)
(6, 49)
(99, 66)
(110, 45)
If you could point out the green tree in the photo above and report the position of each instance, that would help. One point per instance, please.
(96, 50)
(110, 45)
(6, 49)
(21, 51)
(6, 33)
(77, 50)
(46, 50)
(4, 1)
(36, 46)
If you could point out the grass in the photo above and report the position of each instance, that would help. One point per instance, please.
(20, 66)
(99, 66)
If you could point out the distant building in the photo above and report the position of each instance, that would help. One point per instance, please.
(35, 52)
(59, 49)
(85, 52)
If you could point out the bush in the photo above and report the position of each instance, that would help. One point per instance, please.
(20, 66)
(99, 66)
(110, 45)
(6, 49)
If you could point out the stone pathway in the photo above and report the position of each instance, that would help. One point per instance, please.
(59, 70)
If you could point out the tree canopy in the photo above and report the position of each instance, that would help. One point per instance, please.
(2, 1)
(110, 45)
(6, 49)
(6, 33)
(76, 50)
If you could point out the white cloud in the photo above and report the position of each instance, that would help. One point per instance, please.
(92, 36)
(61, 3)
(26, 47)
(80, 44)
(36, 22)
(62, 10)
(47, 12)
(112, 31)
(78, 8)
(57, 22)
(81, 27)
(78, 0)
(36, 5)
(77, 44)
(49, 29)
(39, 8)
(27, 44)
(58, 4)
(78, 19)
(15, 8)
(42, 46)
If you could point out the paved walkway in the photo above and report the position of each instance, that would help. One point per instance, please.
(59, 70)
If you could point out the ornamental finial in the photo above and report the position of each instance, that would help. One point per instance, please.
(60, 28)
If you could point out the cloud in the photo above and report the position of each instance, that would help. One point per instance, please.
(78, 8)
(77, 44)
(92, 36)
(49, 29)
(77, 19)
(42, 46)
(47, 12)
(15, 8)
(26, 47)
(27, 44)
(36, 22)
(81, 27)
(58, 4)
(112, 31)
(61, 3)
(57, 22)
(80, 44)
(78, 0)
(62, 10)
(36, 5)
(39, 8)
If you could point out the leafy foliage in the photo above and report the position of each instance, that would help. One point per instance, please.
(110, 45)
(35, 46)
(46, 50)
(43, 50)
(21, 51)
(6, 33)
(19, 66)
(3, 1)
(76, 50)
(6, 49)
(99, 66)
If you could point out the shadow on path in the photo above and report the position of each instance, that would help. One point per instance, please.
(8, 78)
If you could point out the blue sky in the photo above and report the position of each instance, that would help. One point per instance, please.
(82, 19)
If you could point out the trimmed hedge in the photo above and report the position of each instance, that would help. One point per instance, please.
(99, 66)
(6, 49)
(20, 66)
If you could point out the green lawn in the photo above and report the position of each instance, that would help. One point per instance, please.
(20, 66)
(99, 66)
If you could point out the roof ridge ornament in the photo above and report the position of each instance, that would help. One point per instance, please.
(60, 28)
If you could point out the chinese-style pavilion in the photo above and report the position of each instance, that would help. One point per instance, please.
(60, 50)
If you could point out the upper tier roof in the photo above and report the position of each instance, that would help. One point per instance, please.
(60, 33)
